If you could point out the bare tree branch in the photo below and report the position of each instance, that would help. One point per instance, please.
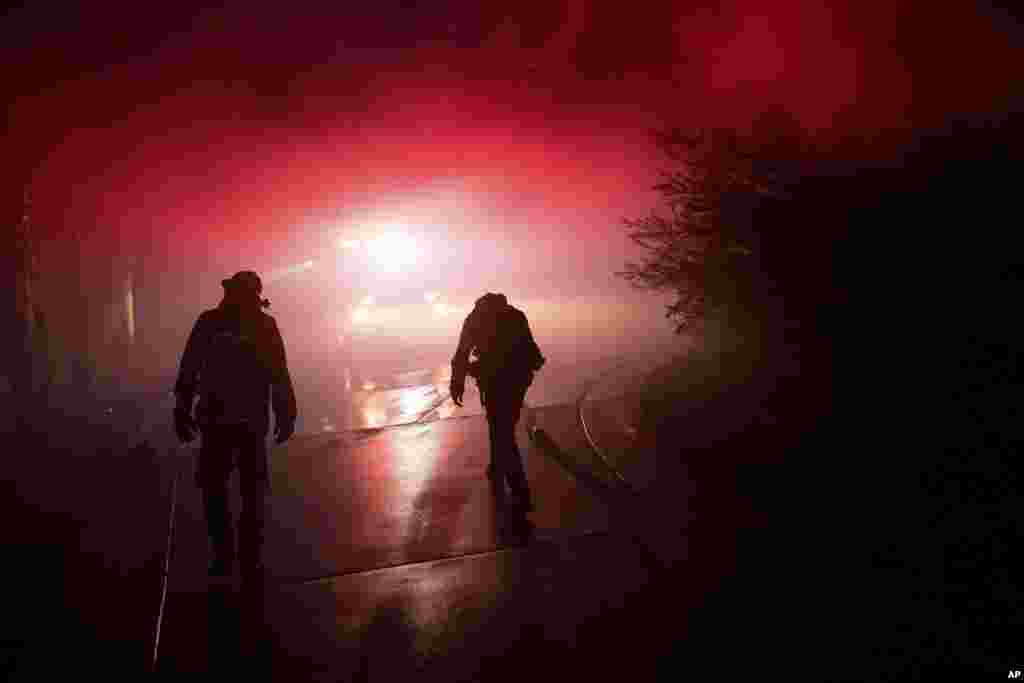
(699, 249)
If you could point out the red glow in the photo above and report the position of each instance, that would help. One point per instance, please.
(536, 135)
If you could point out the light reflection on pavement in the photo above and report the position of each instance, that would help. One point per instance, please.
(374, 498)
(396, 399)
(422, 395)
(396, 531)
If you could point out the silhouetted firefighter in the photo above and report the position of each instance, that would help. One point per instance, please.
(235, 361)
(507, 358)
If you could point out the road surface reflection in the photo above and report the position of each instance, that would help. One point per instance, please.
(422, 395)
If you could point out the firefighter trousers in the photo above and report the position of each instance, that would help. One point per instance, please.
(223, 448)
(503, 401)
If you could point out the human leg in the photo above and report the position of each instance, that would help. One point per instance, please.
(507, 410)
(495, 467)
(215, 465)
(254, 481)
(491, 466)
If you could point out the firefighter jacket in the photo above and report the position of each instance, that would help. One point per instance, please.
(235, 362)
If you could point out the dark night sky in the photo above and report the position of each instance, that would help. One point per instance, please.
(238, 130)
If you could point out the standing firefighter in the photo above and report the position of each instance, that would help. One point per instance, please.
(506, 359)
(235, 362)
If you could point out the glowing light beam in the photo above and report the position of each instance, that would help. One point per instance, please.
(393, 251)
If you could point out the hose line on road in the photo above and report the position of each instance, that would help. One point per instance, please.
(165, 570)
(589, 436)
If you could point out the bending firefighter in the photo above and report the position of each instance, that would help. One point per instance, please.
(235, 363)
(506, 359)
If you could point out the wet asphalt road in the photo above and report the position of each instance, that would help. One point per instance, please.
(357, 401)
(387, 557)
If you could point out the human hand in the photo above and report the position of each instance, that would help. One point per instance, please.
(457, 390)
(283, 430)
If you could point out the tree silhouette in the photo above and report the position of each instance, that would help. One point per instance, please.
(705, 247)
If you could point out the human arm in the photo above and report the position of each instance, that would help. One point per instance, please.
(187, 384)
(282, 392)
(460, 361)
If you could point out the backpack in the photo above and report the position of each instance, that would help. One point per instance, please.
(505, 346)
